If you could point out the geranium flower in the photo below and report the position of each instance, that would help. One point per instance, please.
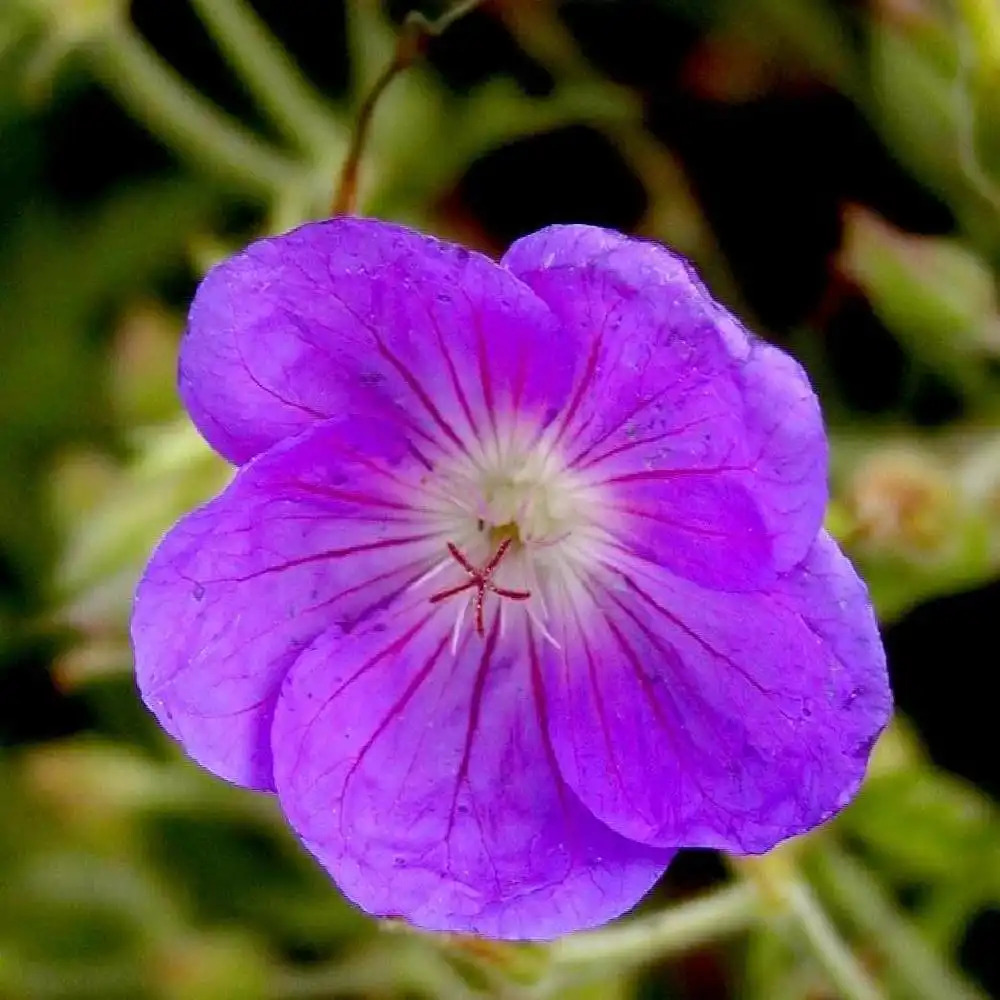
(521, 584)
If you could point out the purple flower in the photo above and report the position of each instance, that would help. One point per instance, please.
(521, 583)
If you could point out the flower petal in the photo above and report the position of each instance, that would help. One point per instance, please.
(673, 381)
(314, 534)
(356, 315)
(423, 780)
(684, 716)
(701, 525)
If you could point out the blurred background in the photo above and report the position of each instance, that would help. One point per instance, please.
(834, 170)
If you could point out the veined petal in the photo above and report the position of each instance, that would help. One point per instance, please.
(685, 716)
(316, 534)
(701, 525)
(669, 380)
(360, 316)
(789, 442)
(424, 781)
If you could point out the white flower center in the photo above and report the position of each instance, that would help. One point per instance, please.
(516, 497)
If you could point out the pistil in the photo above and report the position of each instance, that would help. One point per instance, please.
(482, 581)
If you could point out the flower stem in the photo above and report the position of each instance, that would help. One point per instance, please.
(270, 75)
(966, 94)
(982, 18)
(828, 948)
(916, 967)
(419, 970)
(416, 32)
(159, 97)
(720, 914)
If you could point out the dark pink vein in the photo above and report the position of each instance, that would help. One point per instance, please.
(411, 689)
(485, 377)
(694, 529)
(542, 715)
(269, 391)
(475, 707)
(421, 393)
(328, 554)
(611, 431)
(698, 639)
(640, 442)
(660, 474)
(456, 383)
(599, 701)
(398, 644)
(581, 390)
(348, 496)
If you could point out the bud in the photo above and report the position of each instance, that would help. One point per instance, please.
(915, 103)
(917, 531)
(143, 365)
(77, 20)
(901, 501)
(213, 965)
(982, 22)
(934, 294)
(109, 538)
(65, 25)
(87, 788)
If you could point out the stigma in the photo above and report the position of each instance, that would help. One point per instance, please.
(518, 529)
(480, 580)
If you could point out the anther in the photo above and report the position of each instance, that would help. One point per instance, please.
(480, 580)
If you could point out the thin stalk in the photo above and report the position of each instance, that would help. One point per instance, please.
(965, 95)
(270, 75)
(828, 948)
(721, 914)
(410, 46)
(982, 19)
(912, 961)
(173, 110)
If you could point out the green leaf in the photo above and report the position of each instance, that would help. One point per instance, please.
(927, 826)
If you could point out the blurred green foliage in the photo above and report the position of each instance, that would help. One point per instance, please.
(124, 870)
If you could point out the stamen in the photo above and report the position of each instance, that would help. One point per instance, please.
(457, 630)
(497, 556)
(481, 580)
(431, 573)
(461, 560)
(540, 625)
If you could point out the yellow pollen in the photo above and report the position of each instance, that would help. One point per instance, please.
(499, 533)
